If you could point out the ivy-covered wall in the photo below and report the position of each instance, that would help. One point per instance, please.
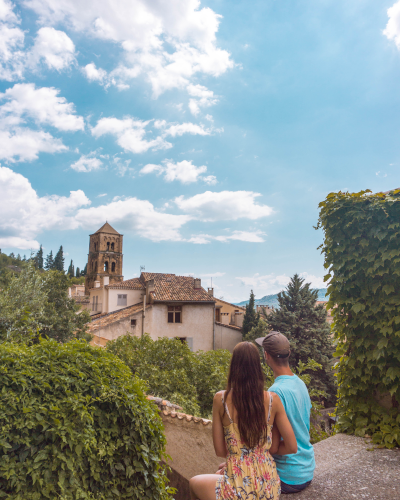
(362, 255)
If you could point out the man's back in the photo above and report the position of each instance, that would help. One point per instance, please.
(297, 468)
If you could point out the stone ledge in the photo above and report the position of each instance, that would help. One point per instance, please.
(345, 470)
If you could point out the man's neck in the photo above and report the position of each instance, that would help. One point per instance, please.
(282, 370)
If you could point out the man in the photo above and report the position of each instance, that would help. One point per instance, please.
(295, 471)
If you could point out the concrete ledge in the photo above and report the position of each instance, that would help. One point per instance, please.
(345, 470)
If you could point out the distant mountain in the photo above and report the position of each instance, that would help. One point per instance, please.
(272, 300)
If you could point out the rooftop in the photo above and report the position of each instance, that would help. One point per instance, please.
(106, 228)
(107, 319)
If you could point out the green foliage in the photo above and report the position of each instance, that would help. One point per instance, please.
(38, 259)
(260, 330)
(36, 303)
(71, 269)
(49, 263)
(76, 281)
(250, 318)
(304, 324)
(362, 256)
(76, 425)
(173, 372)
(59, 260)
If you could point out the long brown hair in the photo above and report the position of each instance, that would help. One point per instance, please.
(246, 381)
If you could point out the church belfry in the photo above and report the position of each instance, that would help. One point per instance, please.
(105, 257)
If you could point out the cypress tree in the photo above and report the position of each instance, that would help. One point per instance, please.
(39, 258)
(84, 272)
(71, 269)
(59, 260)
(49, 264)
(250, 318)
(78, 273)
(305, 325)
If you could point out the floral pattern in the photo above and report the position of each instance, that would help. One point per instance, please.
(250, 473)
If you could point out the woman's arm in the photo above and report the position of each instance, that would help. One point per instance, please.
(276, 440)
(289, 443)
(217, 427)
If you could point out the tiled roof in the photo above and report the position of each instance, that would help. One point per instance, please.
(168, 287)
(106, 228)
(108, 319)
(169, 410)
(132, 284)
(234, 327)
(230, 304)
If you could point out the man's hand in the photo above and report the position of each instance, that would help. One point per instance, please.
(221, 468)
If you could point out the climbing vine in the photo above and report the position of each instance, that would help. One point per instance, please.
(362, 255)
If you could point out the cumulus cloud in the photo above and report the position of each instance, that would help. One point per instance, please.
(249, 236)
(143, 29)
(44, 106)
(11, 43)
(25, 214)
(87, 163)
(392, 30)
(201, 97)
(225, 205)
(183, 171)
(273, 283)
(54, 48)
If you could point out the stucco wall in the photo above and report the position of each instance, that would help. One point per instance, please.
(197, 323)
(133, 297)
(115, 330)
(226, 338)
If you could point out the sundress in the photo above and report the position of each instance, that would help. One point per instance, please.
(250, 473)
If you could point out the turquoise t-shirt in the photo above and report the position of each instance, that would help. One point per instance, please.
(297, 468)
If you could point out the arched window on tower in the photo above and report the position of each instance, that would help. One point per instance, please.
(108, 246)
(113, 267)
(112, 247)
(106, 267)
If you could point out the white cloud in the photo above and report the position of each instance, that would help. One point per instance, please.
(130, 134)
(187, 128)
(25, 214)
(11, 43)
(54, 47)
(248, 236)
(87, 163)
(143, 29)
(201, 97)
(94, 74)
(43, 105)
(25, 144)
(392, 30)
(132, 214)
(272, 283)
(225, 205)
(183, 171)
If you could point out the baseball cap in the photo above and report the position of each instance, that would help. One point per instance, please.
(276, 344)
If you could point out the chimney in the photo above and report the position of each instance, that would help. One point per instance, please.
(211, 292)
(149, 288)
(97, 284)
(197, 283)
(106, 280)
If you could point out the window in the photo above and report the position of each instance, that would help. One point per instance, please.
(133, 322)
(112, 247)
(95, 247)
(174, 314)
(113, 267)
(106, 267)
(108, 246)
(121, 300)
(186, 340)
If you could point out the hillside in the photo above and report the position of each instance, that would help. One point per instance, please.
(272, 300)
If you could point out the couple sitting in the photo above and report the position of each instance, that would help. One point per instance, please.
(250, 425)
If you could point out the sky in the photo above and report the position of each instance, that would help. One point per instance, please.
(207, 133)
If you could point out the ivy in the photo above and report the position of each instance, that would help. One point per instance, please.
(74, 424)
(362, 256)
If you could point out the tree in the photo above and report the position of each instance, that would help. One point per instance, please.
(260, 330)
(251, 318)
(304, 324)
(39, 258)
(78, 273)
(71, 269)
(59, 260)
(37, 304)
(49, 264)
(84, 272)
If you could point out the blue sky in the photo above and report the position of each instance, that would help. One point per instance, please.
(206, 132)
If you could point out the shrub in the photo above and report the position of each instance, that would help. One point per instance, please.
(362, 253)
(76, 425)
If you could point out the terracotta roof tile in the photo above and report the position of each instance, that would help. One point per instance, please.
(132, 284)
(234, 327)
(169, 410)
(168, 287)
(108, 319)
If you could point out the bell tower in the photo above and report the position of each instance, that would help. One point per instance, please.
(104, 258)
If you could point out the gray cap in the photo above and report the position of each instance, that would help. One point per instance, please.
(276, 344)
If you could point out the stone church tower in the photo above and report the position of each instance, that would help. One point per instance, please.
(104, 258)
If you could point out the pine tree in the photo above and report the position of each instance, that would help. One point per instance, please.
(84, 272)
(250, 318)
(49, 264)
(71, 269)
(59, 260)
(39, 258)
(78, 273)
(305, 325)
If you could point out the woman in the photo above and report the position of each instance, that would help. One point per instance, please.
(243, 417)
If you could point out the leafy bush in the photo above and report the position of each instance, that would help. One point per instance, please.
(170, 370)
(362, 253)
(76, 425)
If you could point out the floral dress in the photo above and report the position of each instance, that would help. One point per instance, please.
(250, 473)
